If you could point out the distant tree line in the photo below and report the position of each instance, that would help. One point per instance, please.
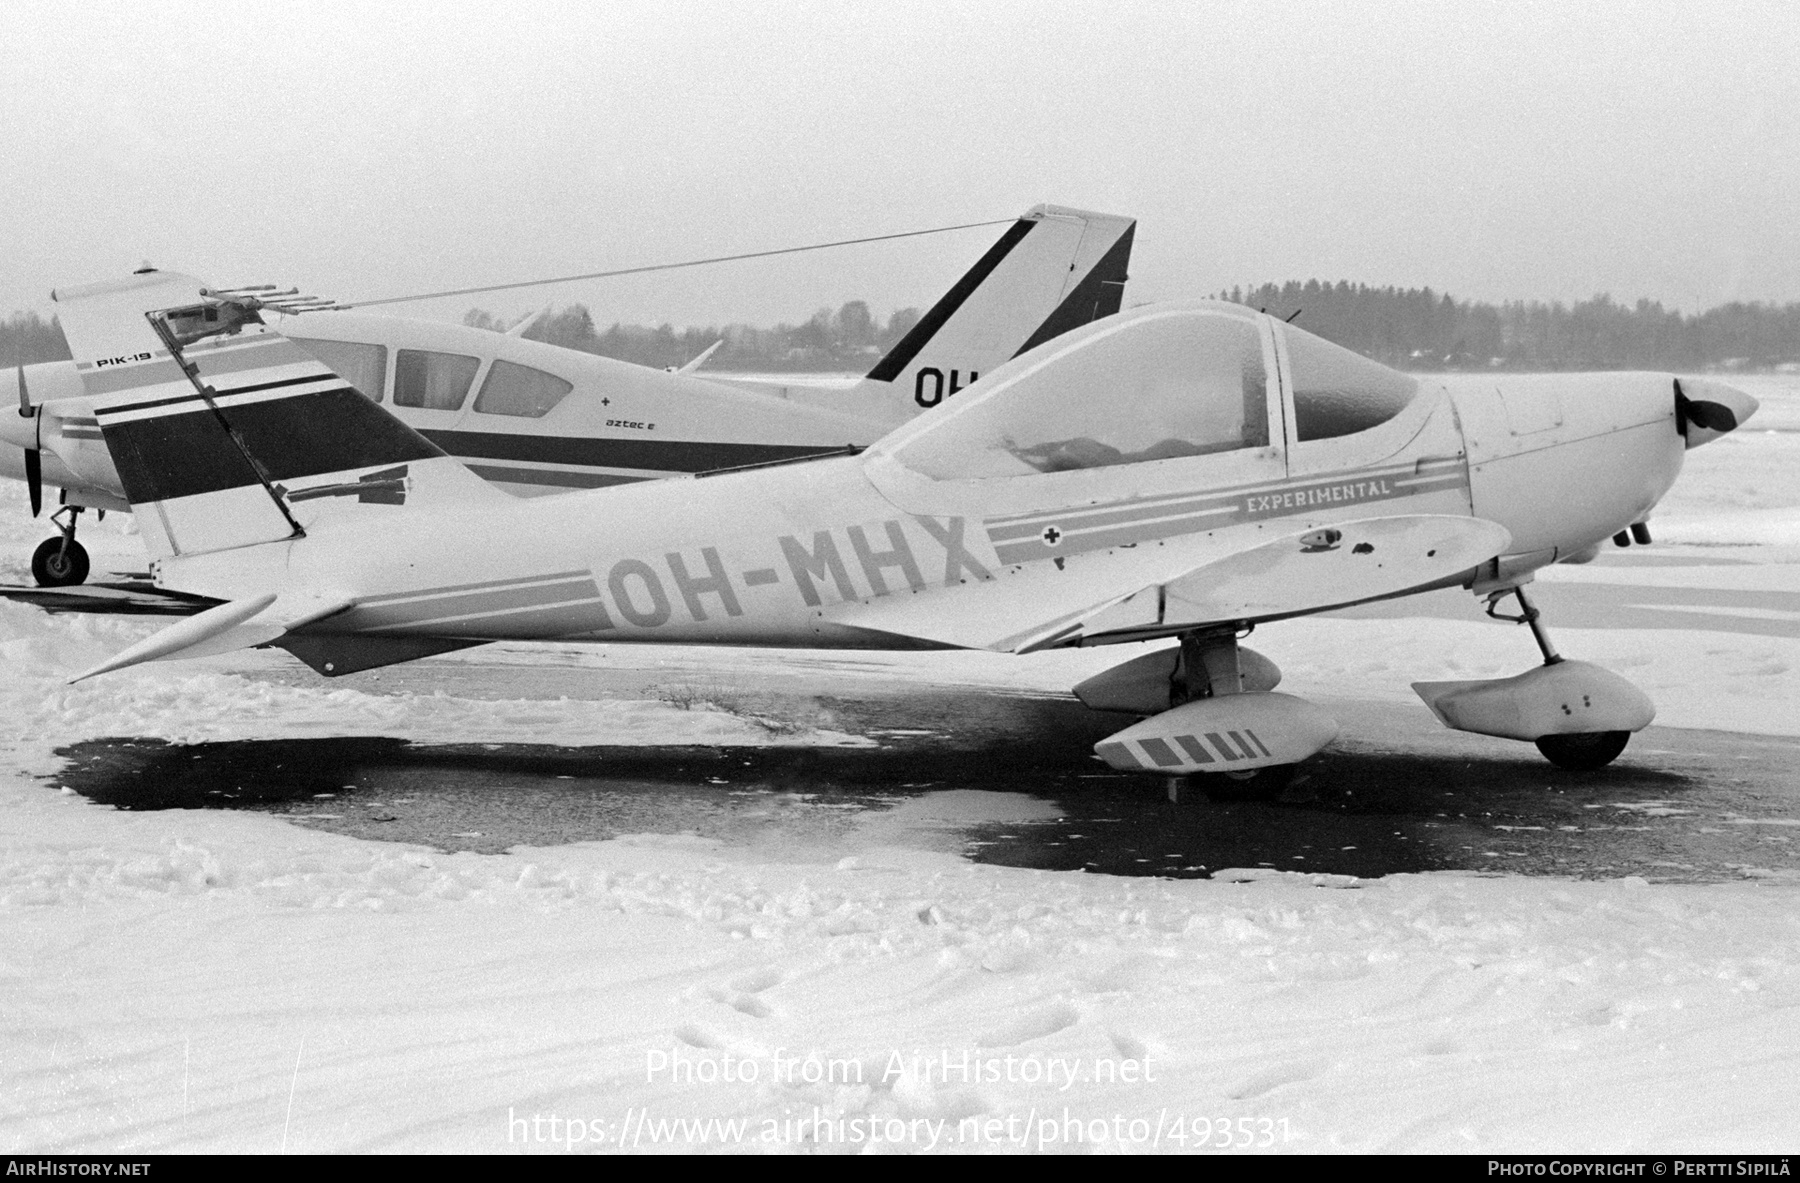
(851, 338)
(26, 338)
(1417, 328)
(1411, 328)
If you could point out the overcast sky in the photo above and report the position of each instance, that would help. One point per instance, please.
(1494, 150)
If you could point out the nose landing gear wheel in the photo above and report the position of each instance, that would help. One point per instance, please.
(59, 562)
(1583, 751)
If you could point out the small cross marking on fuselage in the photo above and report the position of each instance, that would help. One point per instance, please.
(1052, 536)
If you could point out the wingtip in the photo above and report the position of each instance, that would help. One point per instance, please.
(185, 635)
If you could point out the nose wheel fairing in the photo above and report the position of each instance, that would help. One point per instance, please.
(1567, 698)
(1212, 709)
(1579, 715)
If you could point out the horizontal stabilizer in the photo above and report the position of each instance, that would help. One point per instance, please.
(699, 359)
(177, 638)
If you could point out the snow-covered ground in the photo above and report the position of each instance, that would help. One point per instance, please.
(210, 980)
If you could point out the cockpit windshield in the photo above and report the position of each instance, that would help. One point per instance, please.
(1337, 392)
(1159, 385)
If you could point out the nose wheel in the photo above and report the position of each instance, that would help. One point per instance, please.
(1583, 751)
(61, 561)
(1578, 751)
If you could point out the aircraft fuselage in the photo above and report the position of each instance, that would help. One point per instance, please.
(786, 555)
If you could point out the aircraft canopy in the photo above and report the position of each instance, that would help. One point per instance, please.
(1337, 392)
(1156, 384)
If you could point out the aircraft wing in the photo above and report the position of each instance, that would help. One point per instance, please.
(1188, 583)
(125, 597)
(228, 626)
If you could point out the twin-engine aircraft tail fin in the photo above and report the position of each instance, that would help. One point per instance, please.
(1054, 269)
(226, 434)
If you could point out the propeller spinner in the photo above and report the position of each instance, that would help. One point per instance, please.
(1706, 410)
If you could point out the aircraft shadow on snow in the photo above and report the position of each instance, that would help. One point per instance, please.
(1362, 813)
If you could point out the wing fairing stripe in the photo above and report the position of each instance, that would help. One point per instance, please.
(562, 619)
(478, 606)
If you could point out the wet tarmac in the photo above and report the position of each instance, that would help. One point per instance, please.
(1395, 794)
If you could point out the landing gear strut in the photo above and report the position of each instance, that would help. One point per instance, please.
(1210, 668)
(1213, 712)
(61, 561)
(1528, 614)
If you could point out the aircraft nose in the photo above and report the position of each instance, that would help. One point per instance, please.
(1706, 410)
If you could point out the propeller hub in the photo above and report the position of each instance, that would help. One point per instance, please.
(1706, 410)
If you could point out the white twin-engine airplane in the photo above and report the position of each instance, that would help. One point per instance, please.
(1181, 471)
(546, 420)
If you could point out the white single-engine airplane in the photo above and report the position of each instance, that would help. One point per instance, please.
(544, 419)
(1180, 471)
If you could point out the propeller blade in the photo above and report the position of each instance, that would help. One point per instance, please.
(34, 478)
(34, 461)
(1712, 416)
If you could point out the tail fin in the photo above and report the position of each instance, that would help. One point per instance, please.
(225, 433)
(1055, 269)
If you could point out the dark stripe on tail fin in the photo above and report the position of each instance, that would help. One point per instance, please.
(1098, 294)
(889, 367)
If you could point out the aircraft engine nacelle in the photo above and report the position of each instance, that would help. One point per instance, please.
(1565, 698)
(1141, 686)
(1231, 733)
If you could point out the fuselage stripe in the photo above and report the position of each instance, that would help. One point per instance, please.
(489, 584)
